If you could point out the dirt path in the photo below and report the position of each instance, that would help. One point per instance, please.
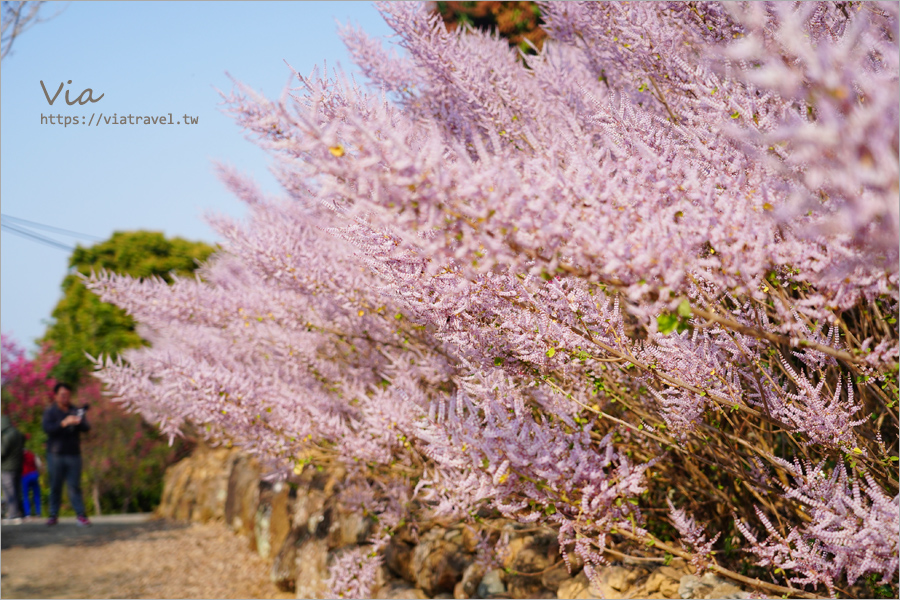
(130, 556)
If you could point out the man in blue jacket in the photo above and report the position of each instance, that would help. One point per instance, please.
(64, 425)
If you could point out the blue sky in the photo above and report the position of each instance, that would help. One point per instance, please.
(146, 58)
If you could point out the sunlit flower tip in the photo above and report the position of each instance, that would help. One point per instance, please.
(337, 151)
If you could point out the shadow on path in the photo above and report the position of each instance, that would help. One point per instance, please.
(67, 533)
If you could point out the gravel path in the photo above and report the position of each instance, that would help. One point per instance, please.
(130, 556)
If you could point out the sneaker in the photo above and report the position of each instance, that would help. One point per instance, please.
(52, 521)
(83, 521)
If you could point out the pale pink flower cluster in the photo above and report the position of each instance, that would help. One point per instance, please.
(693, 536)
(853, 530)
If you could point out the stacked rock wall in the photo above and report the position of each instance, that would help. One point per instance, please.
(300, 528)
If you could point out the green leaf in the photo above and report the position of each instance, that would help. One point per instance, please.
(498, 360)
(667, 323)
(684, 309)
(551, 352)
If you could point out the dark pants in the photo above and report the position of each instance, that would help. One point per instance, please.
(65, 467)
(31, 489)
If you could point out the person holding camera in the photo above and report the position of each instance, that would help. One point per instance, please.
(64, 425)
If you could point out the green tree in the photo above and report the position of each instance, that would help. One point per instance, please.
(83, 324)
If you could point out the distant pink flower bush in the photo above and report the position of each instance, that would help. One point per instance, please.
(659, 258)
(27, 383)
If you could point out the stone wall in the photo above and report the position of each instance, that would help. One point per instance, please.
(300, 529)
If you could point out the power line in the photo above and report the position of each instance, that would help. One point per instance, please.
(66, 232)
(36, 237)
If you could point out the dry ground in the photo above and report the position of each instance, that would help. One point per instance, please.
(140, 559)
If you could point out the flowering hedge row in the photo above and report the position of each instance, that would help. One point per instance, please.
(643, 279)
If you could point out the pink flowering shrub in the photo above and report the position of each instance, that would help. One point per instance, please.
(657, 260)
(27, 383)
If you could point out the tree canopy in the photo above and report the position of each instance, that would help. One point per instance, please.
(83, 324)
